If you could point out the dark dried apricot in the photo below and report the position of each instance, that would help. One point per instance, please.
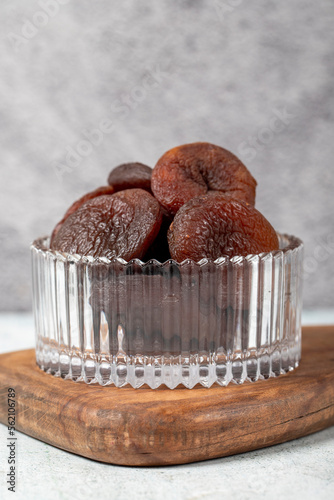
(159, 250)
(211, 226)
(194, 169)
(130, 175)
(103, 190)
(123, 224)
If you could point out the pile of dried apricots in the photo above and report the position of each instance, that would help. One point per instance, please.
(197, 202)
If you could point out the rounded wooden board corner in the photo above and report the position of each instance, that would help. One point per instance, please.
(145, 427)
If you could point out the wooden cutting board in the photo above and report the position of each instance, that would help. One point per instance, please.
(158, 427)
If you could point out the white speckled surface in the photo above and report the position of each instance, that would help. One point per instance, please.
(299, 470)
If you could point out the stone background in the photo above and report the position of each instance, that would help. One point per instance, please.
(255, 77)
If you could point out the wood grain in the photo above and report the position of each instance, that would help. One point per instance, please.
(156, 427)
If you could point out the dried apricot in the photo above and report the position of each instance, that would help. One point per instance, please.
(103, 190)
(194, 169)
(211, 226)
(123, 224)
(130, 175)
(159, 250)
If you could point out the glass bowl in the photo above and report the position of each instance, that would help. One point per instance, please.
(116, 322)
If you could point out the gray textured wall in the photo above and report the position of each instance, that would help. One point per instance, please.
(255, 77)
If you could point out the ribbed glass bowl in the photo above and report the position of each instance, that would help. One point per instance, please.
(117, 322)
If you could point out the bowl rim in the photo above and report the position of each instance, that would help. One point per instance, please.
(292, 244)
